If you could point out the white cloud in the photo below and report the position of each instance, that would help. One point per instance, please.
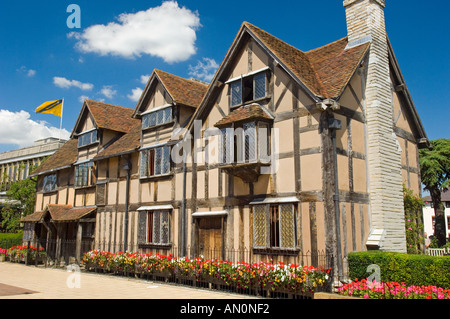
(167, 31)
(16, 128)
(82, 98)
(204, 70)
(65, 83)
(28, 72)
(31, 73)
(108, 91)
(144, 78)
(135, 94)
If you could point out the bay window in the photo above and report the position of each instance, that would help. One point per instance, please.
(246, 143)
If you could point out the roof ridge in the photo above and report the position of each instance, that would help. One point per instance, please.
(326, 45)
(115, 105)
(180, 77)
(316, 76)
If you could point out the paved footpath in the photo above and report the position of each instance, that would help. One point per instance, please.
(18, 281)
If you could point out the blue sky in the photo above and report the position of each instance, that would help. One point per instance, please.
(42, 59)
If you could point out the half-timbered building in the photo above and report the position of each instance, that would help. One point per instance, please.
(285, 152)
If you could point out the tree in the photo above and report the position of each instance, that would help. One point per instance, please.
(22, 196)
(435, 173)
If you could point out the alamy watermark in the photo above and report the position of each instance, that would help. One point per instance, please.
(74, 19)
(74, 279)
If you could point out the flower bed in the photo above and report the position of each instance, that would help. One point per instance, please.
(392, 290)
(263, 275)
(19, 253)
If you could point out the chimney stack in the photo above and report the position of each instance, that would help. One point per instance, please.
(365, 23)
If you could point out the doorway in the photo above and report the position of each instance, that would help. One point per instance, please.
(210, 237)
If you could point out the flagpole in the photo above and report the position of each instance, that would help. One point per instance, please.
(60, 124)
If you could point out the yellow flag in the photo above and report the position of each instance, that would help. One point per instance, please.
(52, 107)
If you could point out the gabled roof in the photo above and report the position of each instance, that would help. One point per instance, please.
(246, 112)
(60, 213)
(322, 73)
(107, 116)
(65, 156)
(325, 71)
(182, 91)
(127, 143)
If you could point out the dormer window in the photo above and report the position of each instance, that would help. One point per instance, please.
(155, 117)
(247, 88)
(87, 138)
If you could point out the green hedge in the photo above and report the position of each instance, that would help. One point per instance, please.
(10, 239)
(411, 269)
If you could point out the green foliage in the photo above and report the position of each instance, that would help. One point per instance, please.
(8, 240)
(11, 218)
(410, 269)
(413, 211)
(435, 164)
(24, 191)
(22, 195)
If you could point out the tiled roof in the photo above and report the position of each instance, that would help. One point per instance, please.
(60, 213)
(35, 217)
(334, 65)
(111, 117)
(245, 112)
(127, 143)
(183, 91)
(445, 197)
(63, 213)
(64, 156)
(325, 71)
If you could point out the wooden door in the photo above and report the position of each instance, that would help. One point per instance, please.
(210, 237)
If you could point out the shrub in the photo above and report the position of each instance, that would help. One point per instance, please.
(397, 267)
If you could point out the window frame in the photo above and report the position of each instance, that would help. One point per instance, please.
(165, 118)
(90, 133)
(248, 78)
(54, 183)
(148, 162)
(150, 230)
(87, 175)
(235, 138)
(272, 228)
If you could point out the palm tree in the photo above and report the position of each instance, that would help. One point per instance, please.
(435, 173)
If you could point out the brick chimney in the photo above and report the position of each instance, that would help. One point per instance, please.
(365, 23)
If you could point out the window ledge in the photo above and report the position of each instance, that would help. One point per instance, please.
(156, 177)
(50, 192)
(262, 100)
(156, 246)
(84, 187)
(277, 251)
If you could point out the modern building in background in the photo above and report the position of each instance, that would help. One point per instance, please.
(16, 165)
